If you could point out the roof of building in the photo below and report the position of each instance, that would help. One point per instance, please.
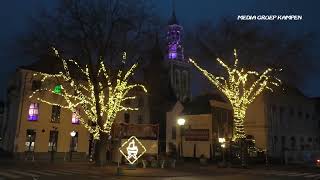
(47, 64)
(201, 104)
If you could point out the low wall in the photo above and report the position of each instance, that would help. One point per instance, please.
(47, 156)
(300, 157)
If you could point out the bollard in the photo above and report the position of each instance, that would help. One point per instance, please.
(119, 171)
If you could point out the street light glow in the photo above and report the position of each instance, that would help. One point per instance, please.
(181, 121)
(72, 133)
(222, 140)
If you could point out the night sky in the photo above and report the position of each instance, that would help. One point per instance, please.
(14, 15)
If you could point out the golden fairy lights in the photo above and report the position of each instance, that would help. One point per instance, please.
(239, 90)
(78, 93)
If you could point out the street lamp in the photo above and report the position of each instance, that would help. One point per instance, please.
(29, 147)
(72, 134)
(181, 123)
(223, 146)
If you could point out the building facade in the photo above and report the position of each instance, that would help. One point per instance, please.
(207, 118)
(39, 131)
(285, 124)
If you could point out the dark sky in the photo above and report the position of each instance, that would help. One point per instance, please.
(14, 16)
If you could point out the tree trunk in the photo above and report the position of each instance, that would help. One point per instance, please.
(239, 114)
(101, 150)
(239, 134)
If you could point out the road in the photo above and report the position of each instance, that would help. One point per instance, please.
(79, 172)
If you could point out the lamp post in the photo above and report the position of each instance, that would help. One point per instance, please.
(72, 134)
(181, 123)
(29, 147)
(223, 146)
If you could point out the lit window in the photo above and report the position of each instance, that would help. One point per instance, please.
(30, 140)
(33, 112)
(53, 141)
(75, 117)
(172, 55)
(57, 89)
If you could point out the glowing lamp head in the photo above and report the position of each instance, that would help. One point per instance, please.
(73, 133)
(181, 121)
(318, 160)
(222, 140)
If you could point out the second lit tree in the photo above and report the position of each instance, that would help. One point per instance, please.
(240, 89)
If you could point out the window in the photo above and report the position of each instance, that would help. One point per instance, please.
(173, 133)
(293, 142)
(283, 142)
(127, 102)
(275, 142)
(57, 89)
(281, 115)
(36, 85)
(53, 141)
(177, 78)
(291, 112)
(30, 140)
(55, 114)
(307, 116)
(274, 108)
(126, 117)
(140, 119)
(33, 114)
(74, 143)
(75, 117)
(140, 101)
(302, 143)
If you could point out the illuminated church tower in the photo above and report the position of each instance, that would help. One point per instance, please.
(179, 68)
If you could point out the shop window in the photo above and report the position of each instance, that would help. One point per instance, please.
(30, 140)
(53, 141)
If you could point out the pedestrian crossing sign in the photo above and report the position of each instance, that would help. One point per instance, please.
(132, 149)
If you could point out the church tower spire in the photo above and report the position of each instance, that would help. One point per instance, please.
(179, 66)
(173, 19)
(174, 38)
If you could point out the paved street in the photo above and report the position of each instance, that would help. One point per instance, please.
(32, 171)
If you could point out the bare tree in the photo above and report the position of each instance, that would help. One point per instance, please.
(259, 47)
(93, 31)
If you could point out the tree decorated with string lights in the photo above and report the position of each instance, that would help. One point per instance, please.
(99, 98)
(240, 87)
